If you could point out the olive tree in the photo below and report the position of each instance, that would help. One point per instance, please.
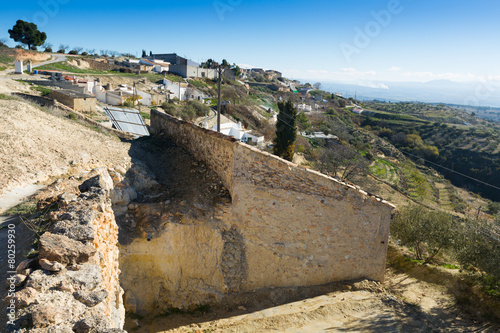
(427, 231)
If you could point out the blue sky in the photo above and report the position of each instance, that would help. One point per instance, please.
(356, 41)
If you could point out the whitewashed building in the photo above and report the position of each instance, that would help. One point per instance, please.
(237, 132)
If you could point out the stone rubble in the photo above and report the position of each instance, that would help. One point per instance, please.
(73, 286)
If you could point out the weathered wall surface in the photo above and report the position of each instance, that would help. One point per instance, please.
(219, 156)
(307, 228)
(180, 268)
(286, 226)
(73, 284)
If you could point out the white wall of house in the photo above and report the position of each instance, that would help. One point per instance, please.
(114, 98)
(304, 108)
(237, 132)
(174, 88)
(117, 97)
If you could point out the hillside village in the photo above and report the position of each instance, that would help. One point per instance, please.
(154, 183)
(181, 77)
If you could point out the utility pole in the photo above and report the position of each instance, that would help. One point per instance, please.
(219, 73)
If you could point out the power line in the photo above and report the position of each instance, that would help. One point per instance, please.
(486, 232)
(443, 167)
(459, 173)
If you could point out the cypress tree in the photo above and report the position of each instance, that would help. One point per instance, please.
(286, 130)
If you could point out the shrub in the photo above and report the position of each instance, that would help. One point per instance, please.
(422, 228)
(494, 207)
(477, 245)
(260, 78)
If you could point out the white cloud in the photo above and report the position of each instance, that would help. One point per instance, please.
(394, 69)
(373, 85)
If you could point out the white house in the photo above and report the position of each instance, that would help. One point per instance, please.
(304, 108)
(237, 132)
(159, 66)
(120, 95)
(183, 92)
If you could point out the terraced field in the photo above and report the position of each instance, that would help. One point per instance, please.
(385, 170)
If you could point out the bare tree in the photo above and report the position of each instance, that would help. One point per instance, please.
(78, 49)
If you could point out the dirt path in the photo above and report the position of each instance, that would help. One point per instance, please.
(403, 305)
(16, 196)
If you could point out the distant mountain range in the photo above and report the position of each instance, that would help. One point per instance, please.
(439, 91)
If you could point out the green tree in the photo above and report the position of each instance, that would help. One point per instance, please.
(303, 121)
(286, 130)
(423, 229)
(27, 33)
(237, 70)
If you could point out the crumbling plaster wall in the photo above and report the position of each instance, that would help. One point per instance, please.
(286, 226)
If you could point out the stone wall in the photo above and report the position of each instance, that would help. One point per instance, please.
(102, 66)
(220, 153)
(73, 284)
(286, 226)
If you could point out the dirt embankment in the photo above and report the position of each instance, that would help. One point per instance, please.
(31, 55)
(38, 143)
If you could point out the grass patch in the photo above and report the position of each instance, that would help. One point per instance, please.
(2, 68)
(385, 170)
(65, 67)
(416, 184)
(7, 56)
(23, 209)
(145, 115)
(4, 96)
(43, 90)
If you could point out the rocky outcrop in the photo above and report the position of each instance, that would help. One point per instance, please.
(73, 286)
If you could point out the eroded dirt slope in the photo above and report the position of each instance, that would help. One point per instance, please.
(37, 143)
